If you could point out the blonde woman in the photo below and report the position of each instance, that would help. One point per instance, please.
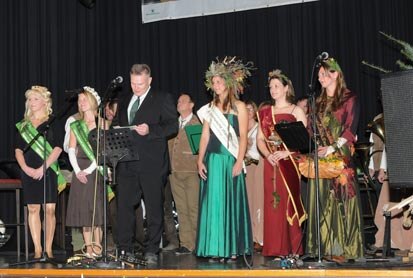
(86, 194)
(37, 113)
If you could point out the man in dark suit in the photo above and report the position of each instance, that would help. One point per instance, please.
(152, 116)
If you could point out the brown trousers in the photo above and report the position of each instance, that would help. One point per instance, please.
(185, 190)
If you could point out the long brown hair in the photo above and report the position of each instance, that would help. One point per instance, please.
(229, 101)
(331, 66)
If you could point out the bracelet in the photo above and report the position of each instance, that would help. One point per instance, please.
(335, 146)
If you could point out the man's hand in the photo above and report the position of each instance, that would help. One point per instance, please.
(142, 129)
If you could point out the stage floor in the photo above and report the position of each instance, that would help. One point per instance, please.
(171, 265)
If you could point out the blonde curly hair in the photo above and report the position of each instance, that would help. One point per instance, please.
(45, 94)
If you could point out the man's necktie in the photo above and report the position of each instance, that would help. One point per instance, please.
(133, 110)
(181, 123)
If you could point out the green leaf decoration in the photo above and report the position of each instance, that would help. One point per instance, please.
(375, 67)
(406, 48)
(403, 65)
(277, 199)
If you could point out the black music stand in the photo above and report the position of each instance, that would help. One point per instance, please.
(117, 145)
(295, 136)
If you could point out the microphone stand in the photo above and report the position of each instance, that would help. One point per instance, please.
(313, 116)
(104, 262)
(44, 131)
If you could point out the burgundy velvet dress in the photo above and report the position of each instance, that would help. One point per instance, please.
(282, 224)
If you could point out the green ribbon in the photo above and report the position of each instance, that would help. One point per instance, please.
(28, 133)
(81, 131)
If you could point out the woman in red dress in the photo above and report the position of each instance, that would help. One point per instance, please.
(283, 209)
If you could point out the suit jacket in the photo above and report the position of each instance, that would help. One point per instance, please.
(158, 111)
(182, 159)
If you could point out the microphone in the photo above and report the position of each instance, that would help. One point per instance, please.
(323, 56)
(117, 80)
(74, 91)
(73, 94)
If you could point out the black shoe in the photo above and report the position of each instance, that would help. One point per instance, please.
(127, 256)
(151, 258)
(183, 251)
(170, 247)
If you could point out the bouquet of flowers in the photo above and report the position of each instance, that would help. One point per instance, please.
(329, 167)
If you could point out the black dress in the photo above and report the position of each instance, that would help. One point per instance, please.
(33, 189)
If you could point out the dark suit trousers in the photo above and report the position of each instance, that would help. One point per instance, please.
(132, 186)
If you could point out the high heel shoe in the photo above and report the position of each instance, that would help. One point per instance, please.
(49, 255)
(233, 259)
(37, 255)
(97, 253)
(88, 252)
(213, 260)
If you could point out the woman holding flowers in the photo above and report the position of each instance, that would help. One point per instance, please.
(337, 113)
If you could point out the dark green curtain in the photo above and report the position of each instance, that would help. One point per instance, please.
(63, 45)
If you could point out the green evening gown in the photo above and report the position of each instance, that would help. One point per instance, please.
(224, 227)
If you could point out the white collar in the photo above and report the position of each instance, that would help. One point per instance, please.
(186, 119)
(142, 97)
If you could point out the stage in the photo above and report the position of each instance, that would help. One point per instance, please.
(171, 265)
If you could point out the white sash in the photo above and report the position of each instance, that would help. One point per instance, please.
(219, 125)
(252, 150)
(253, 130)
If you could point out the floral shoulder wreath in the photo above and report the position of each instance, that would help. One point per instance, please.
(232, 70)
(93, 92)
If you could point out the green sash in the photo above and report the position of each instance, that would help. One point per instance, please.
(81, 132)
(28, 132)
